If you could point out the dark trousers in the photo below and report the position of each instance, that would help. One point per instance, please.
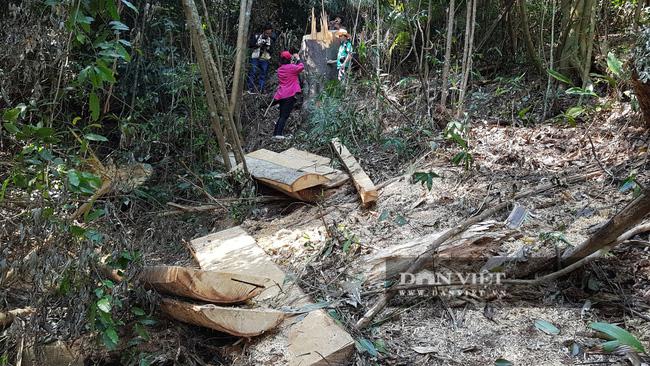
(263, 67)
(286, 106)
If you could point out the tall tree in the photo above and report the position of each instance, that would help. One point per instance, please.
(445, 69)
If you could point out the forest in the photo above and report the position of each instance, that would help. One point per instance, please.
(333, 182)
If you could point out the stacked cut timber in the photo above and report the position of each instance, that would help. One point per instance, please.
(296, 173)
(311, 339)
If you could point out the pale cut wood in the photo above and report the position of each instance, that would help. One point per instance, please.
(211, 286)
(236, 321)
(234, 251)
(362, 182)
(318, 341)
(337, 178)
(283, 178)
(291, 161)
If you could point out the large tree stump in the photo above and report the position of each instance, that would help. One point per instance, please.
(316, 49)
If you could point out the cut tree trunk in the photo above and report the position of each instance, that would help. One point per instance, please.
(211, 286)
(236, 321)
(362, 182)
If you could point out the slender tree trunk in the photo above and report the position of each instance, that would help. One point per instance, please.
(467, 54)
(528, 39)
(237, 81)
(426, 46)
(548, 95)
(445, 69)
(193, 21)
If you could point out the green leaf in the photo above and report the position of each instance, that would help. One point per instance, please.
(110, 338)
(118, 26)
(383, 216)
(556, 75)
(364, 345)
(93, 100)
(426, 178)
(574, 112)
(77, 230)
(130, 5)
(618, 334)
(11, 115)
(95, 137)
(546, 327)
(580, 91)
(104, 305)
(400, 220)
(502, 362)
(11, 128)
(137, 311)
(614, 64)
(73, 178)
(93, 215)
(104, 72)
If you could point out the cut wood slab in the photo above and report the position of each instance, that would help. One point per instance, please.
(336, 177)
(315, 339)
(234, 251)
(236, 321)
(283, 178)
(211, 286)
(293, 161)
(362, 182)
(308, 341)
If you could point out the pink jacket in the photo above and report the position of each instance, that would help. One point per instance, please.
(288, 84)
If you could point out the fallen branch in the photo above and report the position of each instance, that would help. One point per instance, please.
(419, 263)
(616, 227)
(7, 317)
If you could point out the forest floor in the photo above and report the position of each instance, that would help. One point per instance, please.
(331, 247)
(465, 330)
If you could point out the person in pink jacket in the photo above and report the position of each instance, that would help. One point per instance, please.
(288, 87)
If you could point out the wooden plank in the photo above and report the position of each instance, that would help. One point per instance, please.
(211, 286)
(315, 339)
(291, 161)
(318, 340)
(306, 155)
(236, 321)
(283, 178)
(362, 182)
(234, 251)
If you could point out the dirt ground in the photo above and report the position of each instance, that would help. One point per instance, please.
(432, 331)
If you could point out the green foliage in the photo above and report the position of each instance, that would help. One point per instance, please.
(425, 178)
(619, 337)
(334, 114)
(546, 327)
(457, 132)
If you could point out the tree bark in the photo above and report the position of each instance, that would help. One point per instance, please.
(629, 216)
(467, 54)
(642, 92)
(242, 33)
(445, 69)
(528, 39)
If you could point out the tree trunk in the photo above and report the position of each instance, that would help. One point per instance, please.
(242, 36)
(528, 39)
(642, 91)
(467, 53)
(445, 69)
(629, 216)
(193, 21)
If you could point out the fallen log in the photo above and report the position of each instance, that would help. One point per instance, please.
(362, 182)
(629, 216)
(236, 321)
(434, 241)
(211, 286)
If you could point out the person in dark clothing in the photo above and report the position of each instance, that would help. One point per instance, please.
(288, 87)
(261, 44)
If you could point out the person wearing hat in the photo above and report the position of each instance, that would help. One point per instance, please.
(261, 44)
(344, 57)
(288, 87)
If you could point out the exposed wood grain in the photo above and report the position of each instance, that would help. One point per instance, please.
(362, 182)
